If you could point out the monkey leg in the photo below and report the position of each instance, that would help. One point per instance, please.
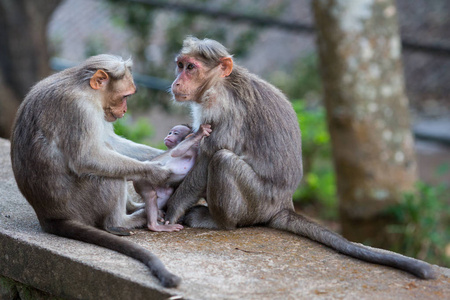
(163, 194)
(134, 220)
(152, 211)
(200, 217)
(236, 195)
(188, 192)
(133, 206)
(118, 220)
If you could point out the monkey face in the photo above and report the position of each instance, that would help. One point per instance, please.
(194, 78)
(191, 74)
(176, 135)
(115, 101)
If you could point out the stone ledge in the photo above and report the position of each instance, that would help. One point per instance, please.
(247, 263)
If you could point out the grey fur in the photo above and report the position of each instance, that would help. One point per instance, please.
(251, 164)
(71, 166)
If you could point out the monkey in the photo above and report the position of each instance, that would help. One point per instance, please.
(183, 148)
(70, 165)
(251, 164)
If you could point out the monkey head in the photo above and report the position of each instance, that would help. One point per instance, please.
(196, 73)
(115, 93)
(176, 135)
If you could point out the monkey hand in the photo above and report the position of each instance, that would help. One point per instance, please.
(204, 130)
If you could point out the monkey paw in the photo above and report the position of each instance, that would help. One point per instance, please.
(166, 227)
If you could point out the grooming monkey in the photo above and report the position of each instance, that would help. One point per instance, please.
(179, 159)
(251, 164)
(71, 166)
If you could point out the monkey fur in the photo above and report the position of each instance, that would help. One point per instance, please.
(71, 166)
(251, 164)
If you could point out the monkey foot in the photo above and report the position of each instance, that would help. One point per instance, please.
(165, 227)
(118, 231)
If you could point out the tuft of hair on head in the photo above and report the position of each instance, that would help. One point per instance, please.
(208, 51)
(115, 66)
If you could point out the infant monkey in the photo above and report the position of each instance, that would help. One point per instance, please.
(179, 159)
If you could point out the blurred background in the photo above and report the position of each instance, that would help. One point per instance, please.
(275, 39)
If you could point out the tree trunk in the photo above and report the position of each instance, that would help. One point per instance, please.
(367, 111)
(23, 52)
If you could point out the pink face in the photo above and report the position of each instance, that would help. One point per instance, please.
(190, 76)
(176, 135)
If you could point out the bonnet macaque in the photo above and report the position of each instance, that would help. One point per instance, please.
(251, 164)
(71, 166)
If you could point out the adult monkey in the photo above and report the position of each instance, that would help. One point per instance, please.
(72, 168)
(251, 164)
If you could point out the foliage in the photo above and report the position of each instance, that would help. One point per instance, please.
(138, 131)
(318, 185)
(421, 226)
(302, 81)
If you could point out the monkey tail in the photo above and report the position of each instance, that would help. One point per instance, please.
(292, 222)
(78, 231)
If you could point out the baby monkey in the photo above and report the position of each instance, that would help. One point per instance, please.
(179, 159)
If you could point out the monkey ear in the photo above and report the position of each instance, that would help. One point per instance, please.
(226, 66)
(99, 79)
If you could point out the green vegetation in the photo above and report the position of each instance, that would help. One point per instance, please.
(138, 131)
(302, 80)
(318, 185)
(422, 222)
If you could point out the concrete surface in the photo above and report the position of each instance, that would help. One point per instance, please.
(249, 263)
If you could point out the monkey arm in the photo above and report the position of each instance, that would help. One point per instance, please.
(189, 191)
(186, 145)
(132, 149)
(102, 161)
(192, 140)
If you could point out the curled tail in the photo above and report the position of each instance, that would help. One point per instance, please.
(292, 222)
(78, 231)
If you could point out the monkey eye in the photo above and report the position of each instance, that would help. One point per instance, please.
(190, 66)
(180, 65)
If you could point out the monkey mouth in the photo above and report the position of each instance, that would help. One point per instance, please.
(181, 97)
(169, 143)
(119, 116)
(111, 117)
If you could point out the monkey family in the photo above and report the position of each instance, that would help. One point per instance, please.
(73, 169)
